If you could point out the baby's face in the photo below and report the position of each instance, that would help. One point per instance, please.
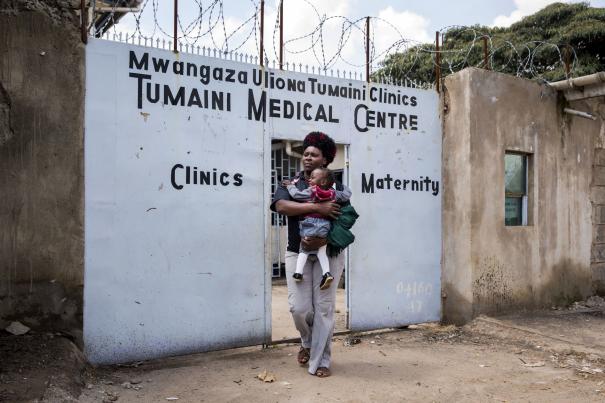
(317, 178)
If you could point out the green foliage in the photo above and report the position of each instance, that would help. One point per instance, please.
(535, 47)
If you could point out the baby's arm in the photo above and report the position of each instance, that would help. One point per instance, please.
(343, 195)
(300, 195)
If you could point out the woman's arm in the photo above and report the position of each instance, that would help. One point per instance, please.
(292, 208)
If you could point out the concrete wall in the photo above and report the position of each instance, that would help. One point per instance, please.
(597, 108)
(489, 267)
(41, 163)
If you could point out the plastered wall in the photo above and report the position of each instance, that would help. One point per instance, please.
(41, 163)
(489, 267)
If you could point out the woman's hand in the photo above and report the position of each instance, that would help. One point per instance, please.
(328, 209)
(311, 243)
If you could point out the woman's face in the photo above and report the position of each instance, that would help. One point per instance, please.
(313, 158)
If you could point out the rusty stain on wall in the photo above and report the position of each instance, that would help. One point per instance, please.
(492, 289)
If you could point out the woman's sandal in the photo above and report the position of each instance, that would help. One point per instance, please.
(303, 355)
(323, 372)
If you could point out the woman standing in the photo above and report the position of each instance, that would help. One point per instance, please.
(312, 310)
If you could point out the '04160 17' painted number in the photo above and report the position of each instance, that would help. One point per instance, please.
(415, 289)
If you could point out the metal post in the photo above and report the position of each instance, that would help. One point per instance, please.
(437, 62)
(84, 21)
(281, 35)
(567, 63)
(580, 113)
(176, 16)
(262, 32)
(368, 49)
(485, 60)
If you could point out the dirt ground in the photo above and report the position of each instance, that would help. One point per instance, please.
(486, 361)
(544, 357)
(40, 366)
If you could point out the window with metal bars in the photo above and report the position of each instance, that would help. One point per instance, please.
(515, 188)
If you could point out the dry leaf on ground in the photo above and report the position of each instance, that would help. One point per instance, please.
(266, 376)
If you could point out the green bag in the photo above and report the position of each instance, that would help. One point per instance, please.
(340, 235)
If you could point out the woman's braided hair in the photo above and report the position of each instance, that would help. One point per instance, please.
(323, 142)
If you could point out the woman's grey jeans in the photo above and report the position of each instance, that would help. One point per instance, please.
(313, 309)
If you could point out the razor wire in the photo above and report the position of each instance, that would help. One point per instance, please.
(208, 29)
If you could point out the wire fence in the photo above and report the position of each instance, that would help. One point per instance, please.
(531, 59)
(331, 45)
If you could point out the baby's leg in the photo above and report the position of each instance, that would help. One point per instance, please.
(322, 256)
(300, 262)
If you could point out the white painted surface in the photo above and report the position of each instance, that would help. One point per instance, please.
(172, 271)
(168, 271)
(395, 260)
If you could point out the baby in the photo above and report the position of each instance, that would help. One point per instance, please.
(320, 190)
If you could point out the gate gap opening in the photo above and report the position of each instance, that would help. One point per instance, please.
(284, 166)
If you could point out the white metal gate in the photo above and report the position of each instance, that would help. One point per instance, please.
(177, 168)
(395, 262)
(175, 210)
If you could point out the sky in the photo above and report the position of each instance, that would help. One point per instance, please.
(411, 20)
